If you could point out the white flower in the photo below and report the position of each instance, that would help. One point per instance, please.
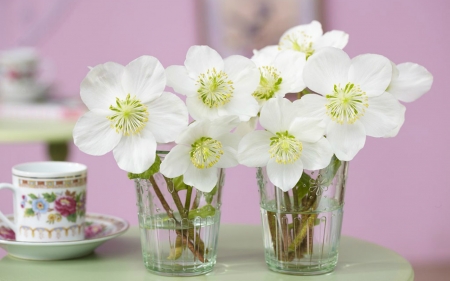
(354, 102)
(280, 73)
(309, 38)
(129, 113)
(203, 148)
(292, 142)
(215, 87)
(409, 82)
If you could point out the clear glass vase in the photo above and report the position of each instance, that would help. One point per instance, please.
(302, 226)
(179, 225)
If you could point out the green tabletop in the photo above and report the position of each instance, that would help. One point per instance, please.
(240, 257)
(55, 133)
(37, 130)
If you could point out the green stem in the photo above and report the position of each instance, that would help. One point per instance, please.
(196, 252)
(187, 202)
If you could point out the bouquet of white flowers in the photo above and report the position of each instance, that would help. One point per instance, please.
(301, 148)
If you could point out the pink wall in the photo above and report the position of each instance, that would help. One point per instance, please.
(398, 189)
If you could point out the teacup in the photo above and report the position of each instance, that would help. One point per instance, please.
(49, 201)
(24, 76)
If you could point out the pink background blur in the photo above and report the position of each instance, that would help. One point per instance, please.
(398, 189)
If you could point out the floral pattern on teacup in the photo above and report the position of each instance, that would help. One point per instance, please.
(69, 205)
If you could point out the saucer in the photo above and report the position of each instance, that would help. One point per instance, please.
(99, 229)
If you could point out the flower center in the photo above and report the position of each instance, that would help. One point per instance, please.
(269, 83)
(346, 104)
(214, 88)
(298, 41)
(285, 148)
(206, 152)
(65, 202)
(129, 115)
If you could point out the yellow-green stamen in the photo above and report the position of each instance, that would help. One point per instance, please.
(214, 88)
(129, 115)
(285, 148)
(205, 152)
(291, 41)
(346, 105)
(269, 83)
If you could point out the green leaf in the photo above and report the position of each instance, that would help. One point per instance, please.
(29, 212)
(72, 217)
(178, 183)
(327, 174)
(150, 172)
(303, 186)
(32, 196)
(203, 212)
(49, 197)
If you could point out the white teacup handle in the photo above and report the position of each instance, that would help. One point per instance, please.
(2, 216)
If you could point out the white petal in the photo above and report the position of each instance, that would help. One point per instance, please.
(285, 176)
(335, 38)
(244, 107)
(312, 105)
(277, 115)
(290, 64)
(244, 74)
(346, 139)
(167, 117)
(102, 85)
(193, 132)
(265, 56)
(228, 159)
(201, 58)
(254, 149)
(136, 153)
(178, 78)
(326, 68)
(202, 179)
(316, 155)
(222, 126)
(246, 127)
(230, 140)
(93, 134)
(371, 72)
(383, 115)
(307, 129)
(144, 78)
(200, 111)
(395, 131)
(230, 143)
(176, 161)
(395, 72)
(413, 81)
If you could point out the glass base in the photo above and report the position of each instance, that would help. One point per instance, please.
(302, 243)
(301, 268)
(179, 270)
(166, 253)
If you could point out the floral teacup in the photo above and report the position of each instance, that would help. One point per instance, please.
(49, 201)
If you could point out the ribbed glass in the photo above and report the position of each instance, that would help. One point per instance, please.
(302, 227)
(179, 228)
